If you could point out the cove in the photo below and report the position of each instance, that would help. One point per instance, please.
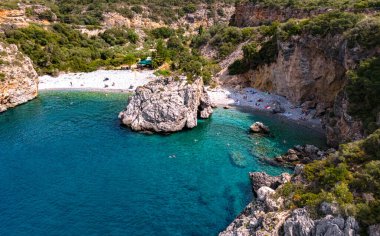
(67, 167)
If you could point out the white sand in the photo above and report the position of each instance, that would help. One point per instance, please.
(98, 80)
(250, 97)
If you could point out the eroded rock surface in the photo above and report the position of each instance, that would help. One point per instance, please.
(167, 105)
(18, 79)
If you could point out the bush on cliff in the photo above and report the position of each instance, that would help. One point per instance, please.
(363, 90)
(349, 178)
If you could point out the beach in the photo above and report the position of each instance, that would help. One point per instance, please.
(118, 80)
(128, 81)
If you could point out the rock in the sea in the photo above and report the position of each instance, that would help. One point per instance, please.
(259, 127)
(18, 79)
(167, 105)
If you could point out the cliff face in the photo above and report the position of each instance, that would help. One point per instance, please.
(311, 72)
(18, 79)
(303, 72)
(251, 14)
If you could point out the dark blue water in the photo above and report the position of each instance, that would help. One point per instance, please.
(68, 168)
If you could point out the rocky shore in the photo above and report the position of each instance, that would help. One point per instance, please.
(267, 214)
(167, 105)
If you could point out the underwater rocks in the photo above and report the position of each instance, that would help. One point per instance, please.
(167, 105)
(238, 159)
(18, 79)
(260, 128)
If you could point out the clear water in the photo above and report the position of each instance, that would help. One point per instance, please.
(67, 167)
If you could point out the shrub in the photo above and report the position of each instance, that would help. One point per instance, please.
(138, 9)
(162, 32)
(331, 23)
(363, 91)
(2, 77)
(189, 8)
(366, 33)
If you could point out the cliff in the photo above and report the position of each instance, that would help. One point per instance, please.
(252, 14)
(167, 105)
(18, 79)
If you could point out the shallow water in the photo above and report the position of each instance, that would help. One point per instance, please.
(67, 167)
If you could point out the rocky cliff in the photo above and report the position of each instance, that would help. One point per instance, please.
(167, 105)
(18, 79)
(267, 214)
(252, 14)
(311, 72)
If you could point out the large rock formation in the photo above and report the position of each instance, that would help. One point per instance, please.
(266, 215)
(167, 105)
(18, 79)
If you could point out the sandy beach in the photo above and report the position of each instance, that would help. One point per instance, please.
(128, 81)
(121, 80)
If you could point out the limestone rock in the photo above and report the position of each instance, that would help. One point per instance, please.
(374, 230)
(336, 226)
(299, 224)
(167, 105)
(18, 79)
(259, 127)
(329, 208)
(261, 179)
(263, 192)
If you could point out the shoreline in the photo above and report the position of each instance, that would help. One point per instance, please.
(257, 101)
(126, 81)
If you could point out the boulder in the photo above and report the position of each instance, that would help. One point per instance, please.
(259, 127)
(263, 192)
(277, 107)
(261, 179)
(167, 105)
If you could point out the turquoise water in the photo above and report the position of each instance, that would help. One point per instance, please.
(67, 167)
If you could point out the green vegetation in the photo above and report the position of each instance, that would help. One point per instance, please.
(314, 4)
(61, 48)
(223, 38)
(90, 12)
(363, 90)
(349, 178)
(2, 77)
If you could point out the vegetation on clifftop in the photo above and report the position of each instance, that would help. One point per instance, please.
(317, 4)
